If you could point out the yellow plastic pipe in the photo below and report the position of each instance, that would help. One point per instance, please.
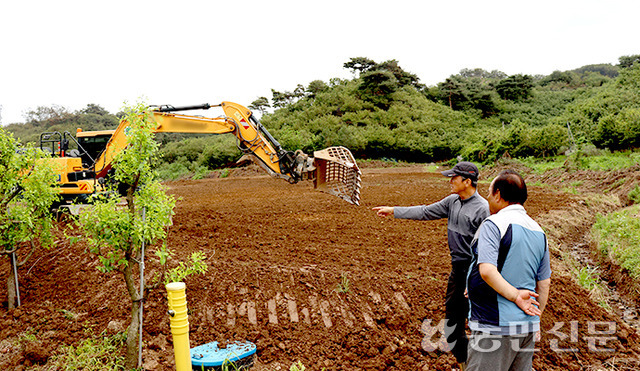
(179, 324)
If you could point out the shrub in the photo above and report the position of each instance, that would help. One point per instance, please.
(618, 237)
(619, 131)
(201, 172)
(634, 195)
(219, 153)
(172, 171)
(91, 355)
(542, 141)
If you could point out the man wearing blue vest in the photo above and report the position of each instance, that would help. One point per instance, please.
(509, 271)
(465, 210)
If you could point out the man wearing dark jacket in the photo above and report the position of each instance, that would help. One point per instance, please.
(465, 210)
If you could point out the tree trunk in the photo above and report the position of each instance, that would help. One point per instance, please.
(131, 360)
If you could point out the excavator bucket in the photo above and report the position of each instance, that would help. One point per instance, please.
(338, 174)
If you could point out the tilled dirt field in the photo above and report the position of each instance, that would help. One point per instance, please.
(305, 276)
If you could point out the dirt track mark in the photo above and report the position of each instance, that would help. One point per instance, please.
(279, 311)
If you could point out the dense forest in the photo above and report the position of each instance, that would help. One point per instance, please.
(385, 112)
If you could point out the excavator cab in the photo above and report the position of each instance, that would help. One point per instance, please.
(93, 143)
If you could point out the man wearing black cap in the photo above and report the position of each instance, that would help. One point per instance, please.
(465, 210)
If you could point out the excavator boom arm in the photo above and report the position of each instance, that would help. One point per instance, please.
(238, 121)
(254, 140)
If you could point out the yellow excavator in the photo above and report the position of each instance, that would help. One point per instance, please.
(82, 171)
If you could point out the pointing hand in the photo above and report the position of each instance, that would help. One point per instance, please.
(383, 210)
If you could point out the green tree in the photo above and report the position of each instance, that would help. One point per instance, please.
(594, 114)
(284, 99)
(279, 99)
(116, 234)
(57, 118)
(469, 90)
(94, 109)
(627, 61)
(27, 191)
(562, 80)
(604, 69)
(452, 91)
(516, 88)
(619, 131)
(315, 87)
(591, 78)
(50, 115)
(542, 141)
(482, 74)
(378, 81)
(403, 77)
(261, 104)
(376, 86)
(358, 65)
(298, 92)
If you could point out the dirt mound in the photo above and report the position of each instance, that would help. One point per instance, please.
(305, 276)
(617, 182)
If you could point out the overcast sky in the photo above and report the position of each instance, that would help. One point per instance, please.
(72, 53)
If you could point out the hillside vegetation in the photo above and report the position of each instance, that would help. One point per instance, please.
(385, 112)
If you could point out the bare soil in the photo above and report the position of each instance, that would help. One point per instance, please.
(306, 277)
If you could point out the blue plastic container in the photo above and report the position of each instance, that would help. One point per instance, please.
(237, 355)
